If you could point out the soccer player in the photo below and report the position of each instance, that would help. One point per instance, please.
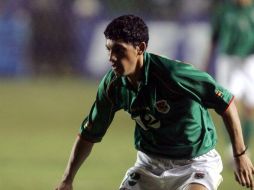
(175, 137)
(233, 37)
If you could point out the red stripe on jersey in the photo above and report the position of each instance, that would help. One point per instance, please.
(229, 104)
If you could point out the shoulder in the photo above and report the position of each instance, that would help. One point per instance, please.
(108, 78)
(173, 70)
(168, 71)
(108, 83)
(163, 65)
(162, 62)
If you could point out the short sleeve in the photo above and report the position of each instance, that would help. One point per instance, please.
(202, 87)
(95, 125)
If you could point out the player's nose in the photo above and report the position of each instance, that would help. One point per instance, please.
(112, 57)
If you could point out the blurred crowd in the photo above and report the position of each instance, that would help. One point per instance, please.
(44, 37)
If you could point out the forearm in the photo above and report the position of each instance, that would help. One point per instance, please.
(233, 125)
(80, 151)
(244, 169)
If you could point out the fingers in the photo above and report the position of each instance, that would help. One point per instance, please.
(245, 178)
(251, 179)
(240, 178)
(244, 171)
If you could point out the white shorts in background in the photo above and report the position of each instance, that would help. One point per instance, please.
(237, 75)
(153, 173)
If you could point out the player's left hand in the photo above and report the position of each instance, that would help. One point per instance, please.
(244, 171)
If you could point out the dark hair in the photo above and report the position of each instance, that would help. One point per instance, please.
(128, 28)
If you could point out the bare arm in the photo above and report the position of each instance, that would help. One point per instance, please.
(244, 169)
(80, 151)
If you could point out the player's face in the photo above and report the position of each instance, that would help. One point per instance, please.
(123, 57)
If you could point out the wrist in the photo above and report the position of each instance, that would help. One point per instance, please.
(237, 155)
(67, 178)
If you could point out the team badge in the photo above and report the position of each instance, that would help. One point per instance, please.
(162, 106)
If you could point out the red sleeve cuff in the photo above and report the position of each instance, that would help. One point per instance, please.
(228, 104)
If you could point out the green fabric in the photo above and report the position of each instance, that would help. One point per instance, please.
(233, 27)
(169, 107)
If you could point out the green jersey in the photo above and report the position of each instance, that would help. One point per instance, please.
(169, 108)
(233, 29)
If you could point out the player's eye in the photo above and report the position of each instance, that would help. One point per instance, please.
(107, 48)
(119, 51)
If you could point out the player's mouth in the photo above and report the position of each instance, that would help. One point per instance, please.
(115, 66)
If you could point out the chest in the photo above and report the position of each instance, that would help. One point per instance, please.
(155, 101)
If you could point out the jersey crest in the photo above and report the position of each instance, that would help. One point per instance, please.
(162, 106)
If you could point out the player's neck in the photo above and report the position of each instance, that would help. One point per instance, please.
(136, 77)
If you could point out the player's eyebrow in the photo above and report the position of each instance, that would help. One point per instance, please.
(115, 46)
(119, 46)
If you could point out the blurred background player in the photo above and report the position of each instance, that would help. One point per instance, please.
(233, 40)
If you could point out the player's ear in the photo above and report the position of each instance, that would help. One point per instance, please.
(141, 48)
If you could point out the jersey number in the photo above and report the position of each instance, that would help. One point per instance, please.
(147, 121)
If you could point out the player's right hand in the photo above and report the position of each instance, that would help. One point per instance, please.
(64, 186)
(244, 171)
